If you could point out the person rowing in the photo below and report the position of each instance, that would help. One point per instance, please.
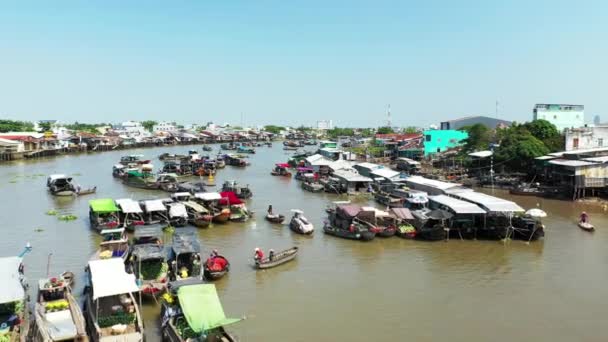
(584, 218)
(258, 254)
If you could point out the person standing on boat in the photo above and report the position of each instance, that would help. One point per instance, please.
(584, 217)
(214, 254)
(271, 254)
(270, 210)
(259, 254)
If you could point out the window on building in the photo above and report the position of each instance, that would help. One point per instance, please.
(600, 142)
(427, 137)
(575, 143)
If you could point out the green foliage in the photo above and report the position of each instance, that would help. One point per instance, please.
(303, 129)
(518, 148)
(480, 137)
(410, 130)
(82, 127)
(15, 126)
(44, 126)
(273, 129)
(337, 132)
(149, 124)
(385, 130)
(546, 132)
(366, 132)
(119, 318)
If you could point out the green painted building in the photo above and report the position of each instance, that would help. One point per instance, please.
(440, 140)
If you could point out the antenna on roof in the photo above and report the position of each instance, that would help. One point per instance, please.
(388, 114)
(496, 110)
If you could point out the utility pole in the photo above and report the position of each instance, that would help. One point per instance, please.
(496, 110)
(388, 122)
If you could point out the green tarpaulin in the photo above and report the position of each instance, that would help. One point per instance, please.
(202, 308)
(103, 205)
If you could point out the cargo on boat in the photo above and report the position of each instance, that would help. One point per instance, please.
(149, 265)
(14, 312)
(114, 244)
(185, 256)
(103, 214)
(155, 211)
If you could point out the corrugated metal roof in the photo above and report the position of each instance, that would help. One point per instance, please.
(490, 203)
(603, 159)
(432, 182)
(571, 163)
(458, 206)
(386, 173)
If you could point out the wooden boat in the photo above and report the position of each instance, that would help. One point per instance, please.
(149, 265)
(526, 191)
(353, 234)
(194, 312)
(114, 244)
(243, 149)
(211, 273)
(143, 180)
(185, 255)
(586, 226)
(281, 169)
(57, 315)
(300, 224)
(344, 222)
(278, 259)
(302, 172)
(88, 191)
(242, 192)
(207, 148)
(239, 213)
(312, 186)
(178, 214)
(154, 211)
(130, 213)
(277, 218)
(198, 215)
(406, 231)
(133, 159)
(13, 300)
(110, 309)
(103, 214)
(60, 185)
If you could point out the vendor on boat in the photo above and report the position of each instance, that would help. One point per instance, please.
(584, 217)
(259, 254)
(270, 210)
(214, 254)
(271, 254)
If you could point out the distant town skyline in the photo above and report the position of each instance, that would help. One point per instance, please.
(289, 64)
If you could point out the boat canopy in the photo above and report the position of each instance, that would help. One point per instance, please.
(135, 173)
(305, 169)
(129, 206)
(196, 207)
(185, 242)
(148, 251)
(456, 205)
(208, 196)
(154, 205)
(119, 166)
(112, 231)
(350, 210)
(59, 176)
(490, 203)
(283, 165)
(109, 278)
(11, 289)
(103, 205)
(181, 194)
(402, 213)
(177, 210)
(229, 198)
(377, 212)
(147, 231)
(202, 308)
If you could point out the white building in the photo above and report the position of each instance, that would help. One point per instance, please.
(130, 129)
(586, 137)
(325, 124)
(561, 115)
(164, 127)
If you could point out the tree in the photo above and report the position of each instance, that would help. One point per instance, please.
(16, 126)
(410, 130)
(274, 129)
(479, 138)
(45, 126)
(518, 148)
(338, 132)
(366, 132)
(385, 130)
(546, 132)
(149, 124)
(303, 129)
(82, 127)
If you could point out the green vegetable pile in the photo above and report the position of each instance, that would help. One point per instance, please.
(57, 305)
(184, 330)
(68, 217)
(52, 212)
(153, 269)
(119, 318)
(5, 337)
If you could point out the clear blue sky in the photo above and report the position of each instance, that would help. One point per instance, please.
(291, 62)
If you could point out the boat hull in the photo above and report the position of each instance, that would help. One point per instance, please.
(586, 226)
(279, 259)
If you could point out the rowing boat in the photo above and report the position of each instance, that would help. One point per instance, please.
(277, 259)
(586, 226)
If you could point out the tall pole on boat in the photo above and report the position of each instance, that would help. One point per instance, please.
(48, 265)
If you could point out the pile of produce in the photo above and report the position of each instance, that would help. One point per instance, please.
(57, 305)
(184, 330)
(153, 269)
(52, 212)
(68, 217)
(119, 318)
(407, 228)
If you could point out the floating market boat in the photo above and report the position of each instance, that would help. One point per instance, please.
(277, 259)
(234, 160)
(14, 312)
(181, 196)
(110, 309)
(60, 185)
(130, 213)
(242, 192)
(145, 180)
(238, 209)
(194, 313)
(300, 224)
(281, 169)
(245, 149)
(198, 215)
(344, 222)
(57, 314)
(149, 234)
(429, 227)
(275, 218)
(220, 162)
(103, 214)
(383, 222)
(211, 201)
(149, 265)
(155, 211)
(178, 215)
(216, 267)
(185, 256)
(228, 147)
(114, 244)
(386, 199)
(586, 226)
(302, 171)
(207, 148)
(309, 184)
(133, 159)
(403, 218)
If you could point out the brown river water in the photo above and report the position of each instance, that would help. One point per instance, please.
(391, 289)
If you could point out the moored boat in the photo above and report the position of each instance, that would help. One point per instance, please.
(277, 258)
(309, 184)
(242, 192)
(60, 185)
(194, 313)
(114, 244)
(57, 315)
(281, 169)
(110, 309)
(275, 218)
(586, 226)
(185, 256)
(216, 267)
(211, 201)
(130, 213)
(344, 222)
(154, 211)
(178, 214)
(13, 300)
(300, 224)
(198, 215)
(149, 265)
(103, 214)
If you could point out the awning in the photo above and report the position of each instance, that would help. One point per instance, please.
(148, 231)
(110, 279)
(185, 241)
(208, 196)
(202, 308)
(196, 207)
(177, 210)
(154, 205)
(129, 206)
(103, 205)
(148, 251)
(11, 289)
(402, 213)
(456, 205)
(229, 197)
(386, 173)
(283, 165)
(350, 210)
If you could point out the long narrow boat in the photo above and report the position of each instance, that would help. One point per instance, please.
(13, 300)
(114, 244)
(278, 259)
(110, 309)
(57, 315)
(586, 226)
(194, 313)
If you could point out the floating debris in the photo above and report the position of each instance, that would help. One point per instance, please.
(38, 230)
(52, 212)
(169, 229)
(68, 217)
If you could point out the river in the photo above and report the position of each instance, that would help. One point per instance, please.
(340, 290)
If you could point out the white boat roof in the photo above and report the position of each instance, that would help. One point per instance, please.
(490, 203)
(154, 205)
(458, 206)
(377, 212)
(177, 210)
(386, 173)
(58, 176)
(208, 196)
(481, 154)
(112, 231)
(11, 289)
(181, 194)
(119, 166)
(128, 206)
(432, 182)
(109, 278)
(196, 206)
(351, 175)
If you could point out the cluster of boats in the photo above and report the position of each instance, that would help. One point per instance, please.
(244, 147)
(293, 145)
